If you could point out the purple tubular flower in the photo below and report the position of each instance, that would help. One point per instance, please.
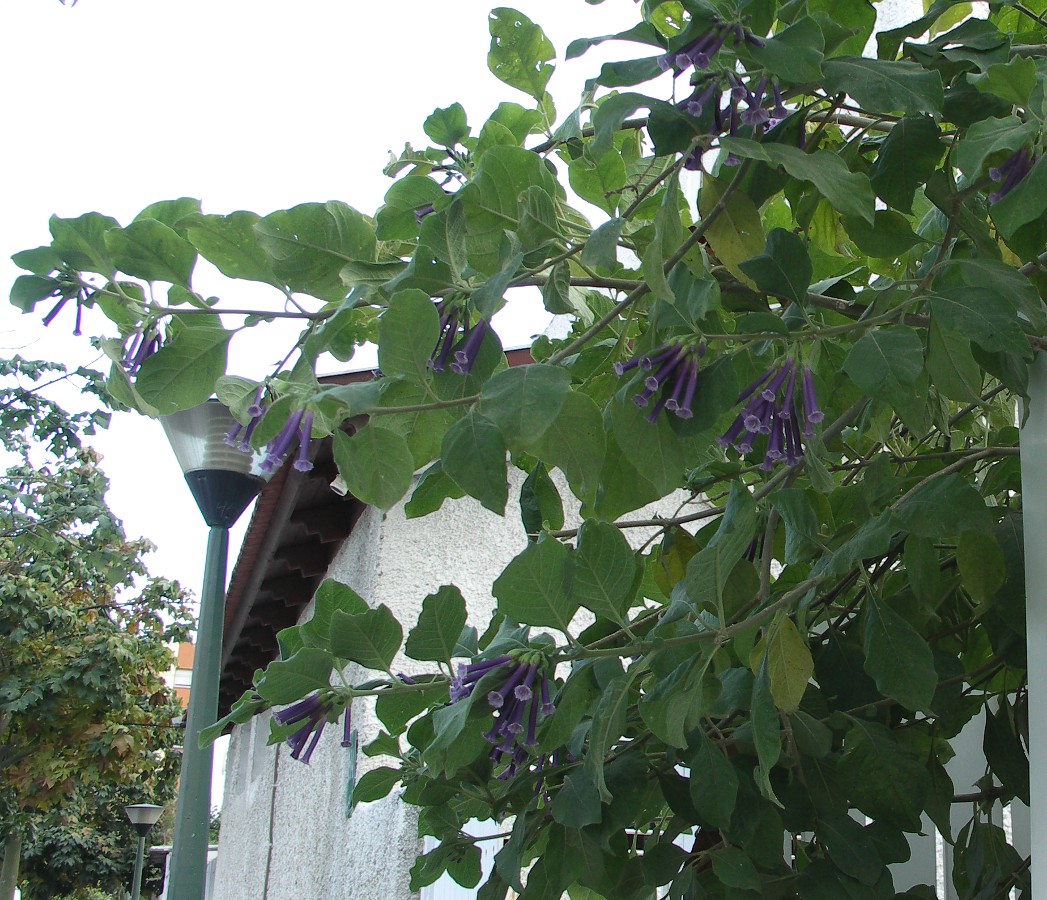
(143, 345)
(1011, 173)
(302, 462)
(466, 356)
(347, 729)
(312, 713)
(458, 341)
(421, 212)
(674, 373)
(769, 410)
(463, 683)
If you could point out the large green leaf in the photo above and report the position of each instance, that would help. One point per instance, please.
(784, 266)
(982, 315)
(439, 626)
(370, 638)
(789, 666)
(608, 726)
(713, 781)
(908, 155)
(308, 244)
(473, 456)
(794, 53)
(605, 571)
(575, 443)
(288, 680)
(849, 192)
(532, 590)
(880, 85)
(183, 372)
(330, 597)
(81, 244)
(524, 401)
(230, 244)
(988, 137)
(885, 364)
(375, 463)
(407, 333)
(737, 232)
(520, 52)
(897, 658)
(151, 250)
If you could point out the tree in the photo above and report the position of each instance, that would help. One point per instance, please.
(823, 348)
(85, 717)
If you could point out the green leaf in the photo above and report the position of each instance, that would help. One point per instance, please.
(520, 52)
(885, 364)
(532, 590)
(766, 731)
(330, 597)
(652, 448)
(439, 625)
(370, 638)
(81, 243)
(713, 781)
(577, 803)
(395, 708)
(601, 248)
(375, 463)
(784, 266)
(790, 666)
(448, 126)
(889, 237)
(850, 848)
(285, 681)
(981, 564)
(737, 233)
(952, 367)
(309, 244)
(605, 571)
(884, 779)
(848, 192)
(407, 333)
(897, 658)
(28, 290)
(733, 868)
(433, 487)
(473, 456)
(709, 569)
(1024, 204)
(229, 243)
(795, 53)
(1012, 81)
(540, 503)
(980, 314)
(151, 250)
(608, 726)
(375, 785)
(988, 137)
(183, 372)
(524, 401)
(575, 443)
(907, 157)
(943, 507)
(884, 86)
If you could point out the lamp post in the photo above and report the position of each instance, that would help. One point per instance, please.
(143, 816)
(223, 481)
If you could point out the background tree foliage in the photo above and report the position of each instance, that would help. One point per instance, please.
(844, 590)
(85, 717)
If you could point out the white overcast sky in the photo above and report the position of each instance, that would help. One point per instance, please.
(113, 104)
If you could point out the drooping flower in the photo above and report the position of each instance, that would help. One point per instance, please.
(312, 713)
(1010, 173)
(517, 706)
(460, 340)
(297, 432)
(771, 410)
(143, 344)
(673, 371)
(699, 53)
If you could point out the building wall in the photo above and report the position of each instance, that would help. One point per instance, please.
(285, 834)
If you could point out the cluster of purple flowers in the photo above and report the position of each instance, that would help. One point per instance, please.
(673, 370)
(297, 430)
(700, 52)
(771, 409)
(461, 348)
(143, 344)
(729, 115)
(312, 713)
(1010, 173)
(517, 701)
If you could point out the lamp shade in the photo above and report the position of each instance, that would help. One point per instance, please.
(143, 816)
(223, 479)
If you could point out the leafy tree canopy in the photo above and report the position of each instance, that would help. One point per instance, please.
(805, 288)
(85, 717)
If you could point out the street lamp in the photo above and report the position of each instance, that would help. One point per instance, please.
(223, 480)
(143, 816)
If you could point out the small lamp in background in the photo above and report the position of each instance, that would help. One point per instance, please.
(143, 817)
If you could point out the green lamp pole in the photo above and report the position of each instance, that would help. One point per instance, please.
(223, 481)
(143, 817)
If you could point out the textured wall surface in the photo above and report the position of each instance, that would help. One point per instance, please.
(285, 834)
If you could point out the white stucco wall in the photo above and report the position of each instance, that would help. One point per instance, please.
(285, 835)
